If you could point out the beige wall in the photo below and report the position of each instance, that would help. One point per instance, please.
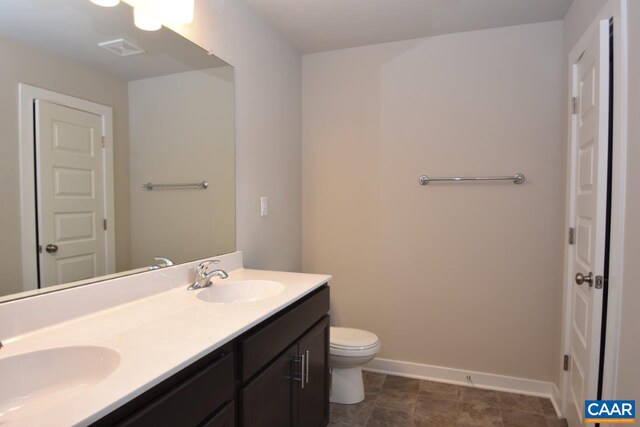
(578, 18)
(21, 64)
(268, 98)
(182, 130)
(629, 372)
(466, 275)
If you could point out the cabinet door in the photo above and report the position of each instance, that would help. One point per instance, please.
(267, 400)
(312, 395)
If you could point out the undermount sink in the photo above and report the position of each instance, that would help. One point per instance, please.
(240, 291)
(34, 381)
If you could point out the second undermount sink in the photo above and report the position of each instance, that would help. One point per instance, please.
(34, 381)
(240, 291)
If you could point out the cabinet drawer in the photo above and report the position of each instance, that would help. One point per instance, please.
(191, 402)
(261, 347)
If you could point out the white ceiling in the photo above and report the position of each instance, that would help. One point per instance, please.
(317, 25)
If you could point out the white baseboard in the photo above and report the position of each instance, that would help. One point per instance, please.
(556, 399)
(459, 377)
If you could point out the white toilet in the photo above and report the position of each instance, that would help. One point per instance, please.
(349, 349)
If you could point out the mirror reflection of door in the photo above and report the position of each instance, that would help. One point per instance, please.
(71, 194)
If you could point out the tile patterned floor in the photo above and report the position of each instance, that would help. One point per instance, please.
(396, 401)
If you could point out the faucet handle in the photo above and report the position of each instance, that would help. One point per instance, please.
(201, 268)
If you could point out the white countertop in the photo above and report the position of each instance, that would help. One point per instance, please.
(155, 337)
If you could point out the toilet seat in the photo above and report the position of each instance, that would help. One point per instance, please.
(350, 341)
(355, 352)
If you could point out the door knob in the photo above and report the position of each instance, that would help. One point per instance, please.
(580, 279)
(51, 248)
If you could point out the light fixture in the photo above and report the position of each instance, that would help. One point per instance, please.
(150, 15)
(145, 17)
(106, 3)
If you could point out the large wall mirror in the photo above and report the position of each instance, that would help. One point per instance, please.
(117, 147)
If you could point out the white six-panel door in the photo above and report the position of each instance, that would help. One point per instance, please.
(588, 174)
(70, 194)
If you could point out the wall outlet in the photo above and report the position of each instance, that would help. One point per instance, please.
(264, 206)
(469, 380)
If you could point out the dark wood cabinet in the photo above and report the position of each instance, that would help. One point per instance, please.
(298, 379)
(274, 375)
(191, 402)
(265, 342)
(268, 400)
(294, 389)
(313, 394)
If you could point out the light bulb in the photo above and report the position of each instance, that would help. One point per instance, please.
(145, 18)
(106, 3)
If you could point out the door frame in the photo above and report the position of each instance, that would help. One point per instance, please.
(616, 11)
(28, 221)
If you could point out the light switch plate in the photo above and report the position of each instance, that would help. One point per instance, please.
(264, 206)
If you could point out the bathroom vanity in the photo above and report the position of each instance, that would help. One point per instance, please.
(145, 351)
(276, 374)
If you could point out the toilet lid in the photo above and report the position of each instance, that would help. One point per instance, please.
(352, 338)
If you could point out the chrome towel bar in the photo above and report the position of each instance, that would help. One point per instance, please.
(516, 179)
(203, 185)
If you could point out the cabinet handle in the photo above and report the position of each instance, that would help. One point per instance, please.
(307, 366)
(302, 369)
(302, 361)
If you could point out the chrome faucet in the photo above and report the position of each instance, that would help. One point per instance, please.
(203, 278)
(161, 263)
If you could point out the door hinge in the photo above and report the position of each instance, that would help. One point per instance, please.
(574, 105)
(104, 223)
(565, 362)
(572, 235)
(104, 142)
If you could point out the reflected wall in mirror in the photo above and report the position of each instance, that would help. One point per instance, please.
(85, 126)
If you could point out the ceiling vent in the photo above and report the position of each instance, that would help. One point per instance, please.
(121, 47)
